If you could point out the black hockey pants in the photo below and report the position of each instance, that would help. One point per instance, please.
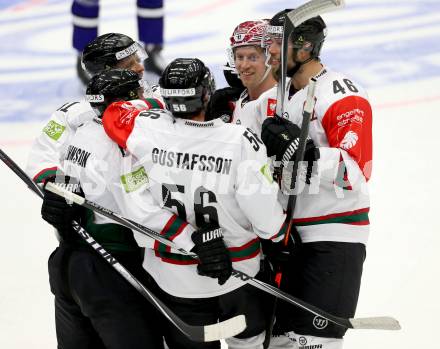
(95, 307)
(326, 274)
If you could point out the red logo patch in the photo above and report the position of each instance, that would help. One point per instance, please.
(271, 106)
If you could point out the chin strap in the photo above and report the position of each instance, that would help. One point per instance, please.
(267, 65)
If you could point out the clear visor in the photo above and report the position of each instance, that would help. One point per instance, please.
(272, 34)
(135, 48)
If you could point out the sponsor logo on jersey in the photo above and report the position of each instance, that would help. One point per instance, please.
(54, 130)
(187, 161)
(77, 156)
(349, 141)
(134, 180)
(355, 115)
(319, 322)
(265, 170)
(271, 107)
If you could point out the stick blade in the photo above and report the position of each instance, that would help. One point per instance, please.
(225, 329)
(313, 8)
(376, 323)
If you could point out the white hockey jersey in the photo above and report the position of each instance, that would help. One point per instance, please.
(251, 114)
(108, 177)
(205, 172)
(49, 147)
(335, 206)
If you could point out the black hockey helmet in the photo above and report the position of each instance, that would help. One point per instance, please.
(310, 36)
(186, 86)
(111, 85)
(107, 50)
(276, 25)
(232, 77)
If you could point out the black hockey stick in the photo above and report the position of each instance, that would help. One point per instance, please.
(294, 18)
(379, 323)
(299, 157)
(207, 333)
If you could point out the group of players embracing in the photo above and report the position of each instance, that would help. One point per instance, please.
(208, 169)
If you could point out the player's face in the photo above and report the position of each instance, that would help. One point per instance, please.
(275, 54)
(250, 64)
(133, 63)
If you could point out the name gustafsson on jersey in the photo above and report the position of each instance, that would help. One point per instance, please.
(189, 161)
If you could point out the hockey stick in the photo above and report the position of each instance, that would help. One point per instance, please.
(299, 156)
(294, 18)
(207, 333)
(379, 323)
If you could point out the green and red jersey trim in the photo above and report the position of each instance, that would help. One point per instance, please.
(282, 231)
(153, 103)
(356, 217)
(44, 174)
(171, 230)
(247, 251)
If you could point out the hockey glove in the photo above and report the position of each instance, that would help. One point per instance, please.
(281, 138)
(57, 212)
(221, 104)
(215, 261)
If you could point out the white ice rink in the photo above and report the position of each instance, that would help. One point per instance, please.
(391, 47)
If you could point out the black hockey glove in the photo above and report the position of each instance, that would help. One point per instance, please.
(221, 104)
(281, 138)
(215, 261)
(57, 212)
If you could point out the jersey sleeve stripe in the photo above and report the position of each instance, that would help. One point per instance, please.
(246, 251)
(238, 253)
(356, 217)
(281, 232)
(171, 230)
(154, 103)
(41, 176)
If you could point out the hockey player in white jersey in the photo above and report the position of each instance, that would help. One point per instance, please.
(215, 176)
(250, 60)
(95, 307)
(73, 329)
(106, 51)
(331, 213)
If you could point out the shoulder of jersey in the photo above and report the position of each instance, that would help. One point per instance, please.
(334, 86)
(155, 118)
(335, 80)
(75, 107)
(270, 93)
